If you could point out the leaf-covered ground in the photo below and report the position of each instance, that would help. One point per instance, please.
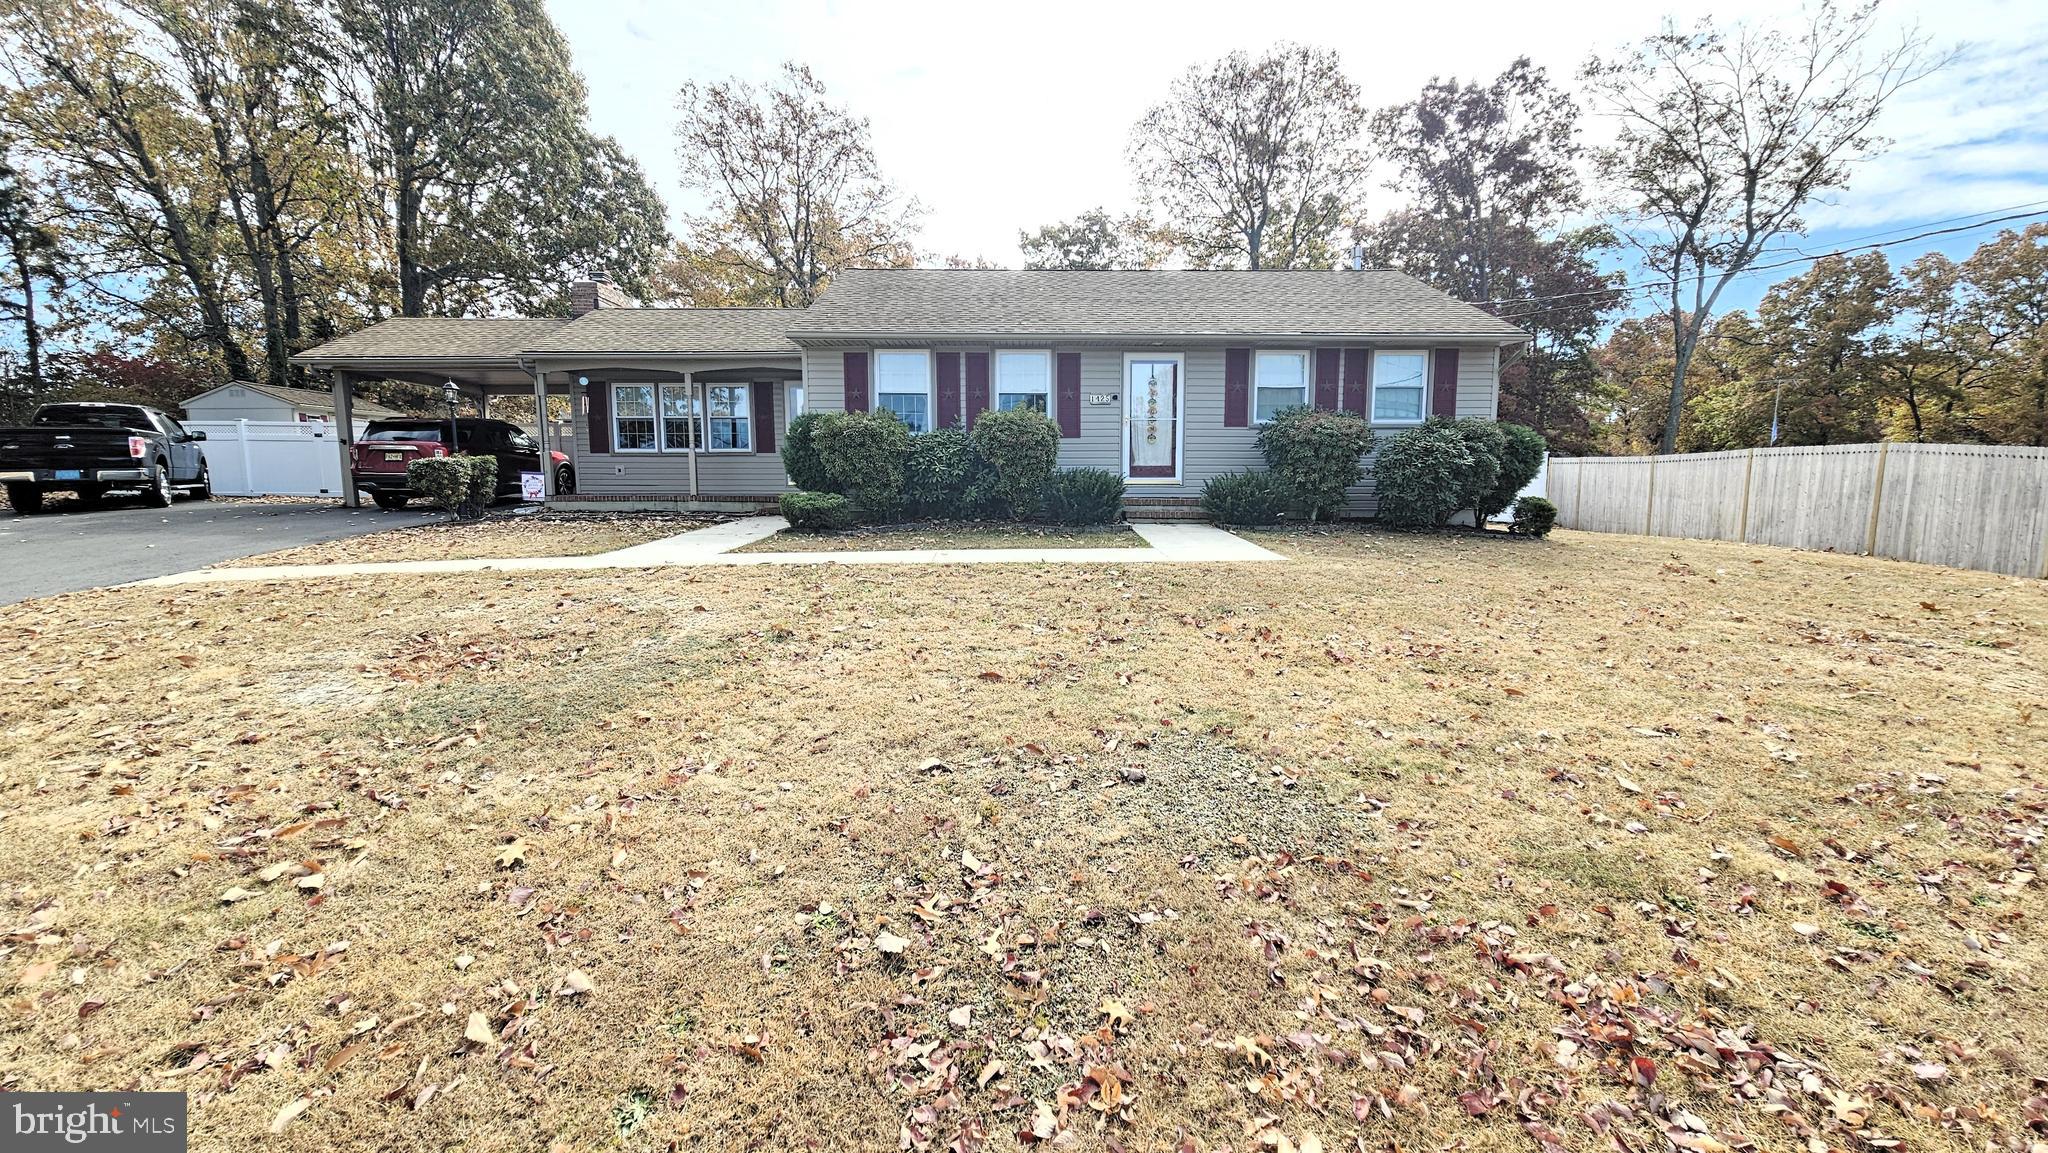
(500, 535)
(1600, 843)
(950, 534)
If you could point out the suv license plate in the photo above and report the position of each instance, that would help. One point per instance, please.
(394, 456)
(70, 474)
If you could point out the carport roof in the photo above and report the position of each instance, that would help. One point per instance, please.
(433, 339)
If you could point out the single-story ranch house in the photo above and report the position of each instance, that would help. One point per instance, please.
(1162, 376)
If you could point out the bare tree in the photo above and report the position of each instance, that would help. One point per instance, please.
(795, 192)
(1724, 137)
(1255, 163)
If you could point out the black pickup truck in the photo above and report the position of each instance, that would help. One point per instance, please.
(91, 449)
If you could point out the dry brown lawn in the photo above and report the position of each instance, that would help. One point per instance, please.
(962, 534)
(501, 535)
(1415, 841)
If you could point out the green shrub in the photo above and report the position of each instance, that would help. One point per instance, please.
(1021, 447)
(1246, 498)
(863, 454)
(940, 478)
(800, 455)
(462, 485)
(1534, 516)
(815, 511)
(1084, 496)
(1419, 474)
(1486, 442)
(1317, 454)
(1522, 452)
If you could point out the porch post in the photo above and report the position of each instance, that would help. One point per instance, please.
(697, 428)
(540, 430)
(343, 388)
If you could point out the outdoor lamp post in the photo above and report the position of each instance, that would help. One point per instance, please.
(451, 394)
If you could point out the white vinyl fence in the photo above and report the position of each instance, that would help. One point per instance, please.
(271, 457)
(1968, 506)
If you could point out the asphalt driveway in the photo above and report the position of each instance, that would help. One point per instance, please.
(71, 548)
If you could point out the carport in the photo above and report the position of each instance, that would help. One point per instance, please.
(481, 358)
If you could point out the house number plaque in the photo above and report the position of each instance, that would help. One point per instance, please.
(1102, 398)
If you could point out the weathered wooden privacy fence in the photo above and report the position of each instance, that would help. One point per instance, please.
(1969, 506)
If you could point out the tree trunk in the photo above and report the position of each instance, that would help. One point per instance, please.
(31, 330)
(1680, 363)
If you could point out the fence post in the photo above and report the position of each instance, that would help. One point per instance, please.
(1578, 492)
(248, 469)
(1650, 505)
(1748, 469)
(1884, 449)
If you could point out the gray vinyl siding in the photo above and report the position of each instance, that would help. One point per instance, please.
(647, 473)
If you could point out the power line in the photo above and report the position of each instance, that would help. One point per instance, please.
(1921, 224)
(1662, 285)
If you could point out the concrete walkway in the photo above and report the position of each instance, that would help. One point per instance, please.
(710, 546)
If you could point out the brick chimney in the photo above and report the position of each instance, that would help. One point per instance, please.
(596, 292)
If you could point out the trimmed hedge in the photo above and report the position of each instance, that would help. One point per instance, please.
(1022, 447)
(800, 457)
(462, 485)
(1246, 498)
(863, 454)
(1534, 516)
(1318, 455)
(946, 477)
(1522, 454)
(1084, 496)
(1419, 475)
(1487, 443)
(815, 511)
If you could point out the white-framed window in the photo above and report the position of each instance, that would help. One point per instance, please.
(1279, 381)
(792, 402)
(729, 417)
(680, 430)
(1399, 386)
(903, 385)
(633, 418)
(1024, 380)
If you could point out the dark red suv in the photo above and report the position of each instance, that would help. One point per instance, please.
(388, 446)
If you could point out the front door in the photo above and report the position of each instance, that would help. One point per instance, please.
(1152, 417)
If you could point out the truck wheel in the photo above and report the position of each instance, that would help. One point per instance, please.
(389, 501)
(204, 489)
(158, 492)
(27, 499)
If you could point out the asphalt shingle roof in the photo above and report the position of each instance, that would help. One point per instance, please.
(678, 330)
(964, 302)
(435, 338)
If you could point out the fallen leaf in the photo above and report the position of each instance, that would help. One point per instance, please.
(236, 894)
(513, 853)
(890, 943)
(1117, 1013)
(289, 1113)
(961, 1017)
(479, 1029)
(574, 984)
(35, 973)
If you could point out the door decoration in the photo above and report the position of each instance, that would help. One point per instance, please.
(1152, 401)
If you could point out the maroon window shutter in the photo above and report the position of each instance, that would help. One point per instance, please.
(1327, 360)
(856, 381)
(597, 399)
(977, 386)
(1068, 385)
(764, 416)
(1237, 386)
(1355, 386)
(949, 391)
(1443, 384)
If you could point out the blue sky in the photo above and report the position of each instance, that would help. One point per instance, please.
(1007, 116)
